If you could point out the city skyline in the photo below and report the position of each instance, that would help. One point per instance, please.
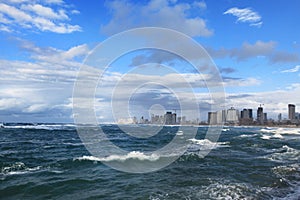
(231, 116)
(44, 44)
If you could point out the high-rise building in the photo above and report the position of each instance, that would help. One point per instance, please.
(246, 117)
(297, 116)
(265, 117)
(292, 109)
(246, 114)
(232, 115)
(212, 118)
(168, 118)
(174, 118)
(260, 115)
(221, 116)
(279, 117)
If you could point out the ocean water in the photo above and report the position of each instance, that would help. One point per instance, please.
(49, 161)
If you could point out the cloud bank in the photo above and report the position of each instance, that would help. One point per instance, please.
(36, 16)
(159, 13)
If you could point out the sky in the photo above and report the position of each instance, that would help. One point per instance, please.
(254, 44)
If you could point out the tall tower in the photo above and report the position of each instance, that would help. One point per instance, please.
(260, 115)
(292, 111)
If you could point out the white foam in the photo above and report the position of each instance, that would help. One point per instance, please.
(281, 130)
(225, 129)
(224, 189)
(18, 168)
(284, 154)
(179, 133)
(206, 144)
(268, 137)
(41, 126)
(282, 170)
(131, 155)
(247, 135)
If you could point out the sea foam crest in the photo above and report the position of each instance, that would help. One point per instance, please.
(295, 131)
(18, 168)
(284, 154)
(131, 155)
(207, 144)
(41, 126)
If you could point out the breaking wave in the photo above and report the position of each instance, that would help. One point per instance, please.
(18, 168)
(131, 155)
(284, 154)
(206, 144)
(280, 131)
(40, 126)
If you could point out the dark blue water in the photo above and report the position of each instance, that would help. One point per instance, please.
(50, 162)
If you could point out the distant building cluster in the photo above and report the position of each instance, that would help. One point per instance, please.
(168, 118)
(230, 116)
(233, 116)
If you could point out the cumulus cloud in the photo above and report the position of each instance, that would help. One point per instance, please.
(53, 55)
(126, 15)
(245, 15)
(267, 50)
(253, 50)
(258, 49)
(284, 57)
(293, 70)
(40, 89)
(227, 70)
(16, 14)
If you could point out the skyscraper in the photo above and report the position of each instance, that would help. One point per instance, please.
(212, 118)
(246, 114)
(246, 117)
(265, 117)
(260, 115)
(279, 117)
(168, 118)
(221, 116)
(232, 115)
(292, 111)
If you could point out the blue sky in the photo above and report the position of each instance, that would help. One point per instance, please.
(255, 45)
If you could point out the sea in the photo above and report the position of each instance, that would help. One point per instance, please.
(50, 161)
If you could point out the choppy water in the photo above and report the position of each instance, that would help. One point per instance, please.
(50, 162)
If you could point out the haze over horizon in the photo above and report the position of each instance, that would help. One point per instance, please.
(254, 44)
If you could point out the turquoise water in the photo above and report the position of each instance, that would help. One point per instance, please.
(50, 162)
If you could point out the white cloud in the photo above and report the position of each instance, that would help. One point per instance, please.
(245, 15)
(263, 49)
(295, 69)
(159, 13)
(200, 4)
(52, 55)
(260, 48)
(46, 12)
(29, 15)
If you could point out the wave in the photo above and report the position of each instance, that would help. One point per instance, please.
(268, 137)
(225, 129)
(18, 168)
(230, 190)
(216, 189)
(206, 144)
(131, 155)
(284, 154)
(277, 133)
(41, 126)
(295, 131)
(196, 145)
(285, 170)
(246, 136)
